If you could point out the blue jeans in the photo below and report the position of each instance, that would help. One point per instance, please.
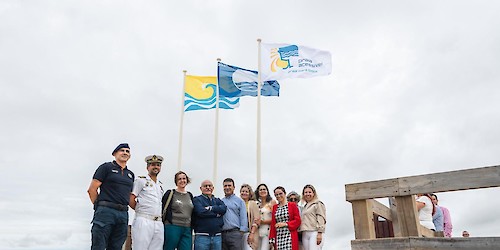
(177, 237)
(203, 242)
(109, 228)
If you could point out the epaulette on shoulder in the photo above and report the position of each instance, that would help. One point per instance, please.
(142, 177)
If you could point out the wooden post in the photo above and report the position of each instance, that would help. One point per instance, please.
(408, 217)
(394, 215)
(363, 219)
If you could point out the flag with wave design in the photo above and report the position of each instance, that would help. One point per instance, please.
(235, 81)
(200, 94)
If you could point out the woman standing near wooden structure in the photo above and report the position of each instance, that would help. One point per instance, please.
(425, 211)
(313, 219)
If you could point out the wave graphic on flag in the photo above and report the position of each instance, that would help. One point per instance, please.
(194, 101)
(200, 94)
(235, 81)
(229, 102)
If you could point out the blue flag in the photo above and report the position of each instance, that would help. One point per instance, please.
(236, 82)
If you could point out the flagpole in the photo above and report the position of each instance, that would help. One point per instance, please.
(216, 141)
(179, 157)
(259, 81)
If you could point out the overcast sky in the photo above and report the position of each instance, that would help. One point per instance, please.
(414, 90)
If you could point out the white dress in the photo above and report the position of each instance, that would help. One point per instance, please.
(265, 214)
(425, 213)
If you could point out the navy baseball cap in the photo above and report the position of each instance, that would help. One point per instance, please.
(123, 145)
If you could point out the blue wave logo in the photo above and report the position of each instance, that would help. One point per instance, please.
(193, 100)
(280, 57)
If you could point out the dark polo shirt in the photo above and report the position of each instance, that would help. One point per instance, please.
(116, 183)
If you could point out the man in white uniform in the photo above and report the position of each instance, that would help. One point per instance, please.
(147, 228)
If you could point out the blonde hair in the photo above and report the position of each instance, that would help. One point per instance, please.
(250, 191)
(312, 188)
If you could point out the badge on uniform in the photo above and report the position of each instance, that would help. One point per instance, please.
(129, 175)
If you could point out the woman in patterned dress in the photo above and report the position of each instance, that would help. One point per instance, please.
(284, 223)
(266, 204)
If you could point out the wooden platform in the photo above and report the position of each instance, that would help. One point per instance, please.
(402, 212)
(420, 243)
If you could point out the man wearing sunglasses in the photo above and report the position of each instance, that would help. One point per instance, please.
(109, 191)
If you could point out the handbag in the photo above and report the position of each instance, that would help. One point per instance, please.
(164, 214)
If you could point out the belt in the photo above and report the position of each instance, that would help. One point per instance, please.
(151, 217)
(113, 205)
(207, 234)
(231, 230)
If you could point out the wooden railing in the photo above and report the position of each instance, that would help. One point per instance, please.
(402, 211)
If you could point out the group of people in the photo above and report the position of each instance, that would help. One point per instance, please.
(168, 219)
(433, 216)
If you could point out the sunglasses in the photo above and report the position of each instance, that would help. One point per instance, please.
(293, 199)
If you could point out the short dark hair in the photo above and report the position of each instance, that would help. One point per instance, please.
(280, 187)
(228, 180)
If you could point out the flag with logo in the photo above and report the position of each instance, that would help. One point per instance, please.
(281, 61)
(235, 81)
(200, 92)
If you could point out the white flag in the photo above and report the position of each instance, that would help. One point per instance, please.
(281, 61)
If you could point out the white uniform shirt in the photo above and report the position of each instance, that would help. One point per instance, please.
(149, 195)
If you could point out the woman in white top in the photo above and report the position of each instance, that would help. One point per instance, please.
(425, 211)
(266, 204)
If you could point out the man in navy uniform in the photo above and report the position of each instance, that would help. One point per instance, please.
(146, 196)
(114, 182)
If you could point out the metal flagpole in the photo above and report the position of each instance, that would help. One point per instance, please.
(179, 157)
(216, 144)
(259, 80)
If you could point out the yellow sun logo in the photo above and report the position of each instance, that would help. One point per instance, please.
(277, 62)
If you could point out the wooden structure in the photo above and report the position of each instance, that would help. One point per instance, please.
(383, 227)
(402, 212)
